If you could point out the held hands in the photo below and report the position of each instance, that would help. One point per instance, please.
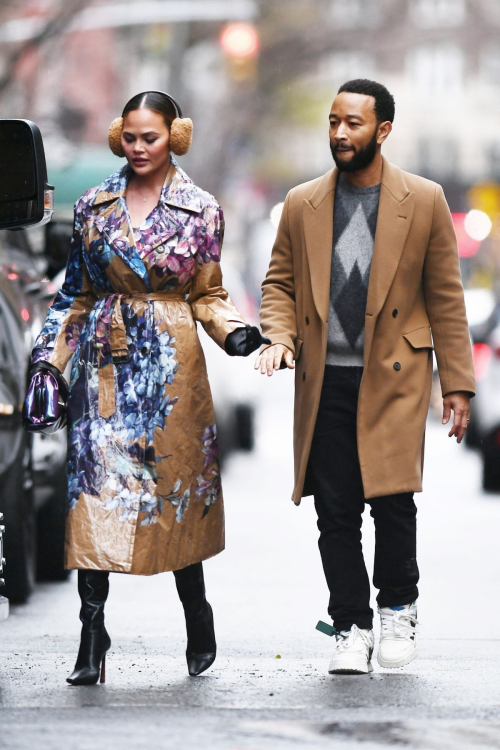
(276, 357)
(243, 341)
(459, 402)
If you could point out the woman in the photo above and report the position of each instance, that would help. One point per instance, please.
(143, 463)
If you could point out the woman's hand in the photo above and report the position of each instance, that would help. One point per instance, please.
(243, 341)
(276, 357)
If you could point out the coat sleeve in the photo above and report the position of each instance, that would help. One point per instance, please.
(69, 311)
(444, 298)
(277, 312)
(210, 302)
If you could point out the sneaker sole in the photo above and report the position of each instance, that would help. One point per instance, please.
(396, 664)
(352, 670)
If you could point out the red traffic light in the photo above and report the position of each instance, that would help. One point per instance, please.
(239, 40)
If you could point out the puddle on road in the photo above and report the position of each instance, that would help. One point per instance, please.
(445, 735)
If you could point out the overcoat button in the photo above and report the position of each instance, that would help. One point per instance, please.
(160, 249)
(394, 313)
(397, 365)
(303, 376)
(100, 249)
(307, 320)
(144, 351)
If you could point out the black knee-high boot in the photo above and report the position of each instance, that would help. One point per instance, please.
(93, 587)
(201, 646)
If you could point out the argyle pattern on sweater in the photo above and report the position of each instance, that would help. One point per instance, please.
(354, 226)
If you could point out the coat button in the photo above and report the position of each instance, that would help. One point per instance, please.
(397, 365)
(160, 249)
(100, 249)
(395, 313)
(307, 320)
(303, 376)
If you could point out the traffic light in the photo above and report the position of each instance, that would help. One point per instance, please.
(240, 43)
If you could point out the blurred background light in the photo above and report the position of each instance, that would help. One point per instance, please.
(275, 215)
(239, 40)
(467, 245)
(477, 224)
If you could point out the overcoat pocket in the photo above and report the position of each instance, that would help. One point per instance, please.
(420, 338)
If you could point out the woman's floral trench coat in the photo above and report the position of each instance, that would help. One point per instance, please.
(143, 462)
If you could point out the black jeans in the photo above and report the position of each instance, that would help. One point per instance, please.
(339, 499)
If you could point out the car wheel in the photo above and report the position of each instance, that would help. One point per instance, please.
(491, 471)
(18, 507)
(51, 523)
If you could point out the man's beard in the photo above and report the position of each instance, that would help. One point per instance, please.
(360, 160)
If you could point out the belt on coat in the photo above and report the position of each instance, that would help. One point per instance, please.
(116, 334)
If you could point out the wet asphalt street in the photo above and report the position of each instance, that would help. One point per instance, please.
(269, 687)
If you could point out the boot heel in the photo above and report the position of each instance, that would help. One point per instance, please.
(103, 670)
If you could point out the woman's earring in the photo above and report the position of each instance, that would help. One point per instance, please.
(115, 136)
(181, 135)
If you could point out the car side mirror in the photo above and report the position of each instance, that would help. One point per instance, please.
(26, 198)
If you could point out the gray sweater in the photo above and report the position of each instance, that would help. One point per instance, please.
(354, 225)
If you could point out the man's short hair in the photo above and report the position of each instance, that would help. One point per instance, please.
(384, 101)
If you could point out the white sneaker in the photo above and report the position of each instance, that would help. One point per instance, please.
(353, 652)
(398, 636)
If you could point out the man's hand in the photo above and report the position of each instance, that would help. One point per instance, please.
(270, 359)
(459, 402)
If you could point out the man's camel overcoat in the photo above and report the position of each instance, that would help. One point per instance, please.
(415, 303)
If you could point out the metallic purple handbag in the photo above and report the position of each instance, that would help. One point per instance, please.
(44, 408)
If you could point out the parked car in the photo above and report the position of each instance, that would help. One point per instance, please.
(32, 467)
(233, 380)
(483, 315)
(4, 602)
(26, 200)
(486, 408)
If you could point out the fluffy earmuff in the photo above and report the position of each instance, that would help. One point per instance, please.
(115, 136)
(181, 135)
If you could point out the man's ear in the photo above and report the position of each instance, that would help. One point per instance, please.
(383, 131)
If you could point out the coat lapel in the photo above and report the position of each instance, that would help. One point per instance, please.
(318, 231)
(394, 219)
(112, 221)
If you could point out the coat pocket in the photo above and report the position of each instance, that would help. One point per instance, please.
(420, 338)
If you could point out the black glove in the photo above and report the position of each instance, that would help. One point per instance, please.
(244, 341)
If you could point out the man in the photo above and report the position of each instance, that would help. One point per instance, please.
(364, 269)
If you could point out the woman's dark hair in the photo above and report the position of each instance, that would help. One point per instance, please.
(384, 101)
(155, 101)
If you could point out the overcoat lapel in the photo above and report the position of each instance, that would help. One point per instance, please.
(395, 214)
(118, 232)
(318, 231)
(113, 222)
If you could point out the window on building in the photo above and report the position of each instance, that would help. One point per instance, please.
(436, 70)
(346, 65)
(493, 160)
(491, 11)
(438, 158)
(437, 13)
(489, 66)
(352, 14)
